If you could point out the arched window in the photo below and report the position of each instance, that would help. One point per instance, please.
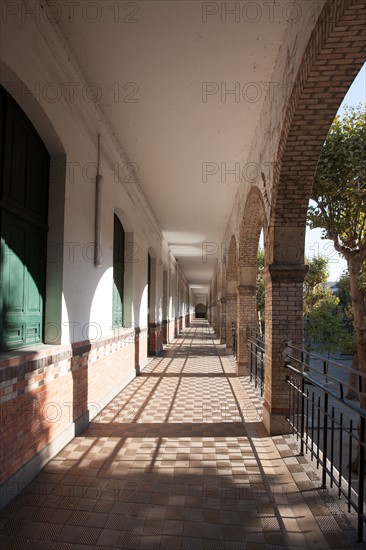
(118, 272)
(24, 182)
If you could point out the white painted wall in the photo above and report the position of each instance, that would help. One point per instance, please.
(34, 58)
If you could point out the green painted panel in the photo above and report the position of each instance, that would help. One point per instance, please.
(16, 161)
(22, 277)
(37, 183)
(14, 271)
(2, 141)
(25, 167)
(24, 173)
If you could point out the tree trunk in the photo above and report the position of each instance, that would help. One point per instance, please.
(359, 323)
(353, 380)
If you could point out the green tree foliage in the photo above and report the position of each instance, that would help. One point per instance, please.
(316, 277)
(314, 288)
(325, 321)
(339, 194)
(348, 344)
(339, 188)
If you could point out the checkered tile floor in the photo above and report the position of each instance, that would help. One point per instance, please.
(178, 460)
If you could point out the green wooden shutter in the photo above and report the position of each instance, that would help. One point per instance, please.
(24, 175)
(118, 272)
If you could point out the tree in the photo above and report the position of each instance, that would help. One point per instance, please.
(343, 293)
(325, 320)
(317, 274)
(339, 193)
(348, 339)
(314, 288)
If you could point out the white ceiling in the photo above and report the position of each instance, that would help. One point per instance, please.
(170, 132)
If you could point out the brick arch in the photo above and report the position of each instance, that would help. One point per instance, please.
(252, 224)
(232, 264)
(334, 56)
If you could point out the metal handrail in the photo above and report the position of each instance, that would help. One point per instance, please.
(325, 360)
(256, 351)
(309, 408)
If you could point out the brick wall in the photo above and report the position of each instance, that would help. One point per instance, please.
(155, 338)
(47, 397)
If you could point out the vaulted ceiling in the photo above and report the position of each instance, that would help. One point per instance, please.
(166, 70)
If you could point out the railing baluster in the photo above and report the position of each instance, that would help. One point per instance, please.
(307, 418)
(262, 371)
(297, 409)
(331, 447)
(302, 415)
(350, 465)
(251, 361)
(325, 437)
(318, 435)
(312, 425)
(361, 478)
(328, 450)
(256, 368)
(293, 404)
(340, 455)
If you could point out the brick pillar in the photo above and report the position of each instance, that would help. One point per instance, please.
(247, 324)
(213, 315)
(230, 312)
(223, 321)
(284, 321)
(218, 324)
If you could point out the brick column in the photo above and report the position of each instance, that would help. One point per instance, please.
(247, 323)
(284, 321)
(218, 324)
(223, 321)
(213, 314)
(230, 313)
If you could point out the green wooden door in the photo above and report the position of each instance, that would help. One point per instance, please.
(118, 272)
(24, 175)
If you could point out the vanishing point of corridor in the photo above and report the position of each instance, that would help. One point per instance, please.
(178, 460)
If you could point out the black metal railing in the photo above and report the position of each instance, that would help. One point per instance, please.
(328, 425)
(255, 346)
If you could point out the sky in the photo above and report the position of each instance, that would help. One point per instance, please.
(314, 244)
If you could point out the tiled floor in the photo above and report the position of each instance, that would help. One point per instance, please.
(178, 460)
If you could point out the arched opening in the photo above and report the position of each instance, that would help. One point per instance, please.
(154, 328)
(118, 273)
(25, 167)
(200, 311)
(27, 104)
(334, 55)
(252, 225)
(223, 303)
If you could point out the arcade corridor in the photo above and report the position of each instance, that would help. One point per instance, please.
(144, 148)
(178, 460)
